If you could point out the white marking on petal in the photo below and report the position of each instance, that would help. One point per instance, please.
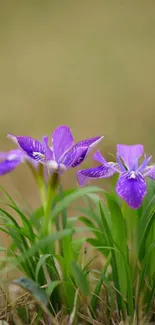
(38, 155)
(94, 144)
(12, 157)
(132, 175)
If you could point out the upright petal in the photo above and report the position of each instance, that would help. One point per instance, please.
(131, 187)
(98, 157)
(62, 140)
(130, 154)
(150, 172)
(85, 175)
(89, 143)
(33, 148)
(48, 150)
(144, 164)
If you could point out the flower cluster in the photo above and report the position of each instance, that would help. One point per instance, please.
(63, 154)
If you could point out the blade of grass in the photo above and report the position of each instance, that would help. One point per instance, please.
(80, 279)
(64, 203)
(109, 239)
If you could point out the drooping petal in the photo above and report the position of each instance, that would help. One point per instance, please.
(130, 154)
(89, 143)
(85, 175)
(33, 148)
(16, 154)
(62, 140)
(150, 172)
(7, 166)
(3, 155)
(74, 157)
(98, 157)
(13, 159)
(131, 187)
(81, 154)
(12, 154)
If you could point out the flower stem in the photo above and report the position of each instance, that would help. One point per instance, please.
(38, 174)
(52, 186)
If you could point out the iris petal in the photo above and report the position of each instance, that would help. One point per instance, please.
(74, 157)
(8, 165)
(150, 172)
(90, 143)
(49, 151)
(131, 187)
(130, 154)
(12, 155)
(98, 157)
(62, 140)
(144, 165)
(85, 175)
(33, 148)
(13, 159)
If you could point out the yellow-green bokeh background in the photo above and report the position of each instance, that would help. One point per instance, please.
(89, 64)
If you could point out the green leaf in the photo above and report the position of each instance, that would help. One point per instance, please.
(42, 244)
(151, 297)
(74, 314)
(80, 279)
(77, 246)
(52, 286)
(95, 214)
(110, 243)
(38, 293)
(15, 232)
(65, 202)
(118, 227)
(87, 222)
(25, 221)
(95, 297)
(30, 286)
(142, 285)
(35, 218)
(145, 234)
(40, 263)
(8, 196)
(67, 250)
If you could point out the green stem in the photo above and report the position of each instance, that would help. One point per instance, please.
(41, 185)
(52, 186)
(38, 174)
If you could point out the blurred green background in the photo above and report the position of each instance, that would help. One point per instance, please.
(88, 64)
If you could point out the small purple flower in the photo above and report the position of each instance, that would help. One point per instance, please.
(10, 160)
(63, 154)
(131, 185)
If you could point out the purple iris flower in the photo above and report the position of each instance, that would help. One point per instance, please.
(10, 160)
(131, 185)
(63, 153)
